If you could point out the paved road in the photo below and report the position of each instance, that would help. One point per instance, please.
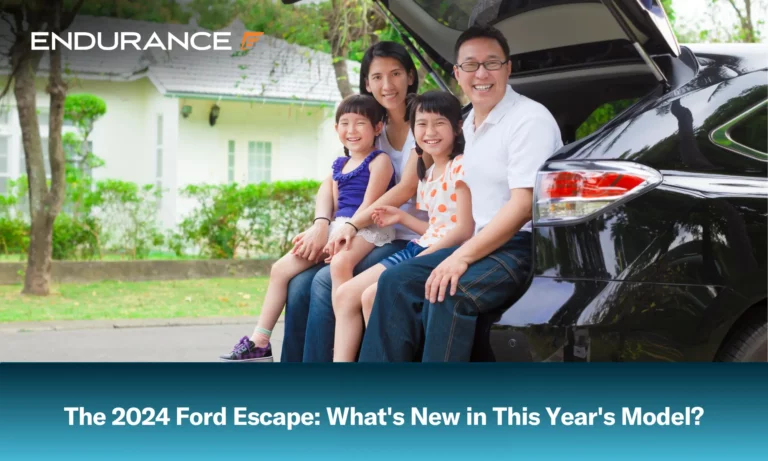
(194, 343)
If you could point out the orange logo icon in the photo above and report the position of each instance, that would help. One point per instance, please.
(249, 40)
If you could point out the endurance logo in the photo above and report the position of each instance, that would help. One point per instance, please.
(109, 41)
(249, 40)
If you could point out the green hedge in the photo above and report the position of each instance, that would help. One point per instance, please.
(252, 220)
(118, 217)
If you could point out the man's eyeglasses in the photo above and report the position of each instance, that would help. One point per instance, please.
(489, 65)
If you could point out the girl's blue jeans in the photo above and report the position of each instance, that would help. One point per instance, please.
(405, 327)
(309, 320)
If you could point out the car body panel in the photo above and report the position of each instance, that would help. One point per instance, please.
(665, 275)
(615, 321)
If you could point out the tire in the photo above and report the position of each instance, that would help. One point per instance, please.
(749, 344)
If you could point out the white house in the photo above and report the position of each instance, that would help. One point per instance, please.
(274, 107)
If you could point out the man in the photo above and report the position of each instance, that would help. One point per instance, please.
(436, 299)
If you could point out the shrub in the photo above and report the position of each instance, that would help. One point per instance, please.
(14, 235)
(75, 238)
(256, 219)
(128, 214)
(109, 215)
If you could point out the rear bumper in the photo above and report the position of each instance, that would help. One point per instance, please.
(588, 320)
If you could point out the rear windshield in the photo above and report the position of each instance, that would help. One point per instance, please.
(460, 14)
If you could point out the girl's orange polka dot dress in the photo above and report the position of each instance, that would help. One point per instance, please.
(438, 198)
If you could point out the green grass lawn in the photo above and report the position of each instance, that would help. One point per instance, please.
(153, 256)
(136, 300)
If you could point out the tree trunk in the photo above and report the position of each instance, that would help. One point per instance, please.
(37, 276)
(338, 32)
(342, 78)
(749, 27)
(44, 204)
(745, 21)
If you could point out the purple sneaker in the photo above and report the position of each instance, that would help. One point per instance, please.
(246, 351)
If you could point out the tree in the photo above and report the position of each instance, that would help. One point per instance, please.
(45, 201)
(350, 21)
(722, 29)
(745, 31)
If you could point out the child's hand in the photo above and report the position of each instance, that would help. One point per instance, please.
(386, 216)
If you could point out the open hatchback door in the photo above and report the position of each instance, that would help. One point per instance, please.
(546, 35)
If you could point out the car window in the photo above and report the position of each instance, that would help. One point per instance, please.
(602, 115)
(752, 131)
(459, 14)
(453, 14)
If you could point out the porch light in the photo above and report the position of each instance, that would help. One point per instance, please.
(186, 110)
(214, 114)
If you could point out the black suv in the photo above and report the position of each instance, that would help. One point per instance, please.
(650, 233)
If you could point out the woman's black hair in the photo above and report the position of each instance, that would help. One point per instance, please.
(445, 104)
(362, 105)
(393, 50)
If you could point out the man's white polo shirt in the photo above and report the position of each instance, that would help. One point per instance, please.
(505, 152)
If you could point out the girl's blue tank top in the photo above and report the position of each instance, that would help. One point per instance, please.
(352, 185)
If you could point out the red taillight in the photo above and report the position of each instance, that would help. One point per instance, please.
(563, 184)
(574, 190)
(589, 184)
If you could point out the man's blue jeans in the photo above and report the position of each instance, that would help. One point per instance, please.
(402, 319)
(309, 320)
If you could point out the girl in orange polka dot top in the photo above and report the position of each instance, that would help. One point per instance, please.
(436, 124)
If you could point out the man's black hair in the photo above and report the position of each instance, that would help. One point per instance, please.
(482, 31)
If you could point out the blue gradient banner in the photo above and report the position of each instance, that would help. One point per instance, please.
(363, 411)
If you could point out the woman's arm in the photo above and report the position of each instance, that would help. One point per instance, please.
(388, 215)
(381, 174)
(465, 224)
(309, 244)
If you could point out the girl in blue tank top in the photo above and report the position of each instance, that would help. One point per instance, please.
(359, 178)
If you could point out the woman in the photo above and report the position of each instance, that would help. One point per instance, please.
(387, 73)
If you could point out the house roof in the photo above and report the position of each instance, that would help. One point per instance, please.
(272, 69)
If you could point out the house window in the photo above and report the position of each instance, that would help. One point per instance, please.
(259, 161)
(159, 154)
(231, 162)
(5, 174)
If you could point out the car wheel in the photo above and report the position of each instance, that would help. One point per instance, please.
(749, 344)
